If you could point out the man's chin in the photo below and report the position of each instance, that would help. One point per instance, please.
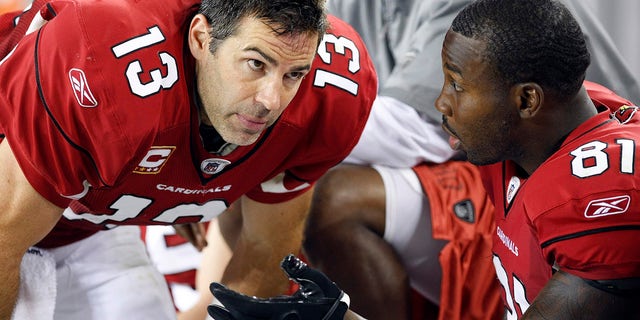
(479, 161)
(243, 139)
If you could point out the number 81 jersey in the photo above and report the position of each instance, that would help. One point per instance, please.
(100, 114)
(578, 212)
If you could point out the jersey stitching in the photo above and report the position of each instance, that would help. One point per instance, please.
(587, 233)
(55, 122)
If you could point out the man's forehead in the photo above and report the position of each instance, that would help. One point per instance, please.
(250, 25)
(258, 36)
(460, 51)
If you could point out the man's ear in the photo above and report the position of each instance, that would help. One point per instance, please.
(529, 97)
(199, 36)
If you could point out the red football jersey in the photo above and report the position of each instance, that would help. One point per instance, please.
(578, 212)
(100, 115)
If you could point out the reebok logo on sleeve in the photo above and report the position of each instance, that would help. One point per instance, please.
(607, 206)
(81, 89)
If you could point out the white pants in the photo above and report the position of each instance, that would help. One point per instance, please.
(107, 276)
(408, 230)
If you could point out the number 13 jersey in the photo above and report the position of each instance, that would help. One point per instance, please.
(97, 103)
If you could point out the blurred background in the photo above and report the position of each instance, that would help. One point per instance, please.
(620, 18)
(10, 5)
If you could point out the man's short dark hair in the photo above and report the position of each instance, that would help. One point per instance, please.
(285, 16)
(529, 41)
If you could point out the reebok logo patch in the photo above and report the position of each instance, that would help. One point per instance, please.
(81, 90)
(607, 206)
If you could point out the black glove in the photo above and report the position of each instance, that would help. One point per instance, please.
(317, 298)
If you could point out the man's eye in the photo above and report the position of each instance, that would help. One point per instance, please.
(455, 86)
(255, 64)
(296, 75)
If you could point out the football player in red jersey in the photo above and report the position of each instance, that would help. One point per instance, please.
(166, 112)
(411, 221)
(558, 159)
(560, 172)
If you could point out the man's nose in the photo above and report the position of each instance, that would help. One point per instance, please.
(442, 104)
(270, 94)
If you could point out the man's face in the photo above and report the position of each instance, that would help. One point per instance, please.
(248, 82)
(475, 106)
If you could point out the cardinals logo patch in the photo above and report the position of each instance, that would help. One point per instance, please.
(625, 114)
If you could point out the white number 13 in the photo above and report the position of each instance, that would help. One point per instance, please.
(158, 81)
(323, 77)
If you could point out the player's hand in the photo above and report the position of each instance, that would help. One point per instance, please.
(317, 298)
(196, 233)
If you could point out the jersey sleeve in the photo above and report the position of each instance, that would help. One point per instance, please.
(69, 113)
(331, 108)
(599, 240)
(589, 227)
(36, 139)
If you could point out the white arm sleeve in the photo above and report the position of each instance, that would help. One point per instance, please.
(397, 136)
